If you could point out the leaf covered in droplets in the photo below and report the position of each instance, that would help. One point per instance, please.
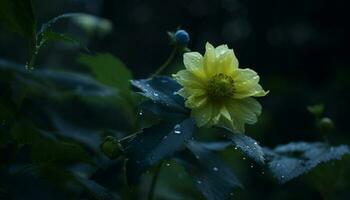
(156, 143)
(294, 159)
(162, 90)
(249, 146)
(212, 177)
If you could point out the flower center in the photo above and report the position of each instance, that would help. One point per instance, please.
(220, 86)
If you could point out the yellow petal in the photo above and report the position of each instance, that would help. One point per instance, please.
(194, 102)
(209, 60)
(187, 79)
(193, 61)
(243, 111)
(226, 60)
(247, 84)
(202, 115)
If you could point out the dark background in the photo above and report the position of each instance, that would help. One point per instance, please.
(298, 47)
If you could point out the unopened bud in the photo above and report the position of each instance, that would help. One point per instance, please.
(111, 147)
(325, 125)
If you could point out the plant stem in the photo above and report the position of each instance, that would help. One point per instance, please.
(166, 63)
(154, 181)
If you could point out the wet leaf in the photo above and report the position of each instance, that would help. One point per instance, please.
(162, 90)
(156, 143)
(249, 146)
(213, 178)
(294, 159)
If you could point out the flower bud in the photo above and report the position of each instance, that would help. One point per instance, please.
(182, 37)
(325, 125)
(111, 147)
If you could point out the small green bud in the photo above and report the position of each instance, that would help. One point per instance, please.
(111, 147)
(325, 125)
(316, 110)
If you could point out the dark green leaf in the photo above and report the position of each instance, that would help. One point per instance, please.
(162, 90)
(97, 191)
(294, 159)
(48, 25)
(18, 16)
(212, 177)
(53, 36)
(156, 143)
(108, 70)
(26, 182)
(249, 146)
(216, 146)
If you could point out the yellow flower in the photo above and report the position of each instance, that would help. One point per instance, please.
(217, 91)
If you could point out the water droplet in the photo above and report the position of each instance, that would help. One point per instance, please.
(236, 148)
(199, 182)
(215, 169)
(243, 158)
(175, 93)
(155, 94)
(168, 164)
(231, 193)
(278, 164)
(251, 166)
(262, 172)
(282, 177)
(197, 157)
(140, 113)
(255, 143)
(177, 127)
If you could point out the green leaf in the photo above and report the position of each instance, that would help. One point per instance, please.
(162, 90)
(18, 16)
(249, 146)
(108, 70)
(213, 178)
(294, 159)
(26, 182)
(156, 143)
(96, 191)
(49, 24)
(53, 36)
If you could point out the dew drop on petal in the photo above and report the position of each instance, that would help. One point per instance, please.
(199, 182)
(215, 169)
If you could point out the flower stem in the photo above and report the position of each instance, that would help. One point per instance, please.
(166, 63)
(154, 181)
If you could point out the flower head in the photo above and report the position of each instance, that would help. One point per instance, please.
(217, 91)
